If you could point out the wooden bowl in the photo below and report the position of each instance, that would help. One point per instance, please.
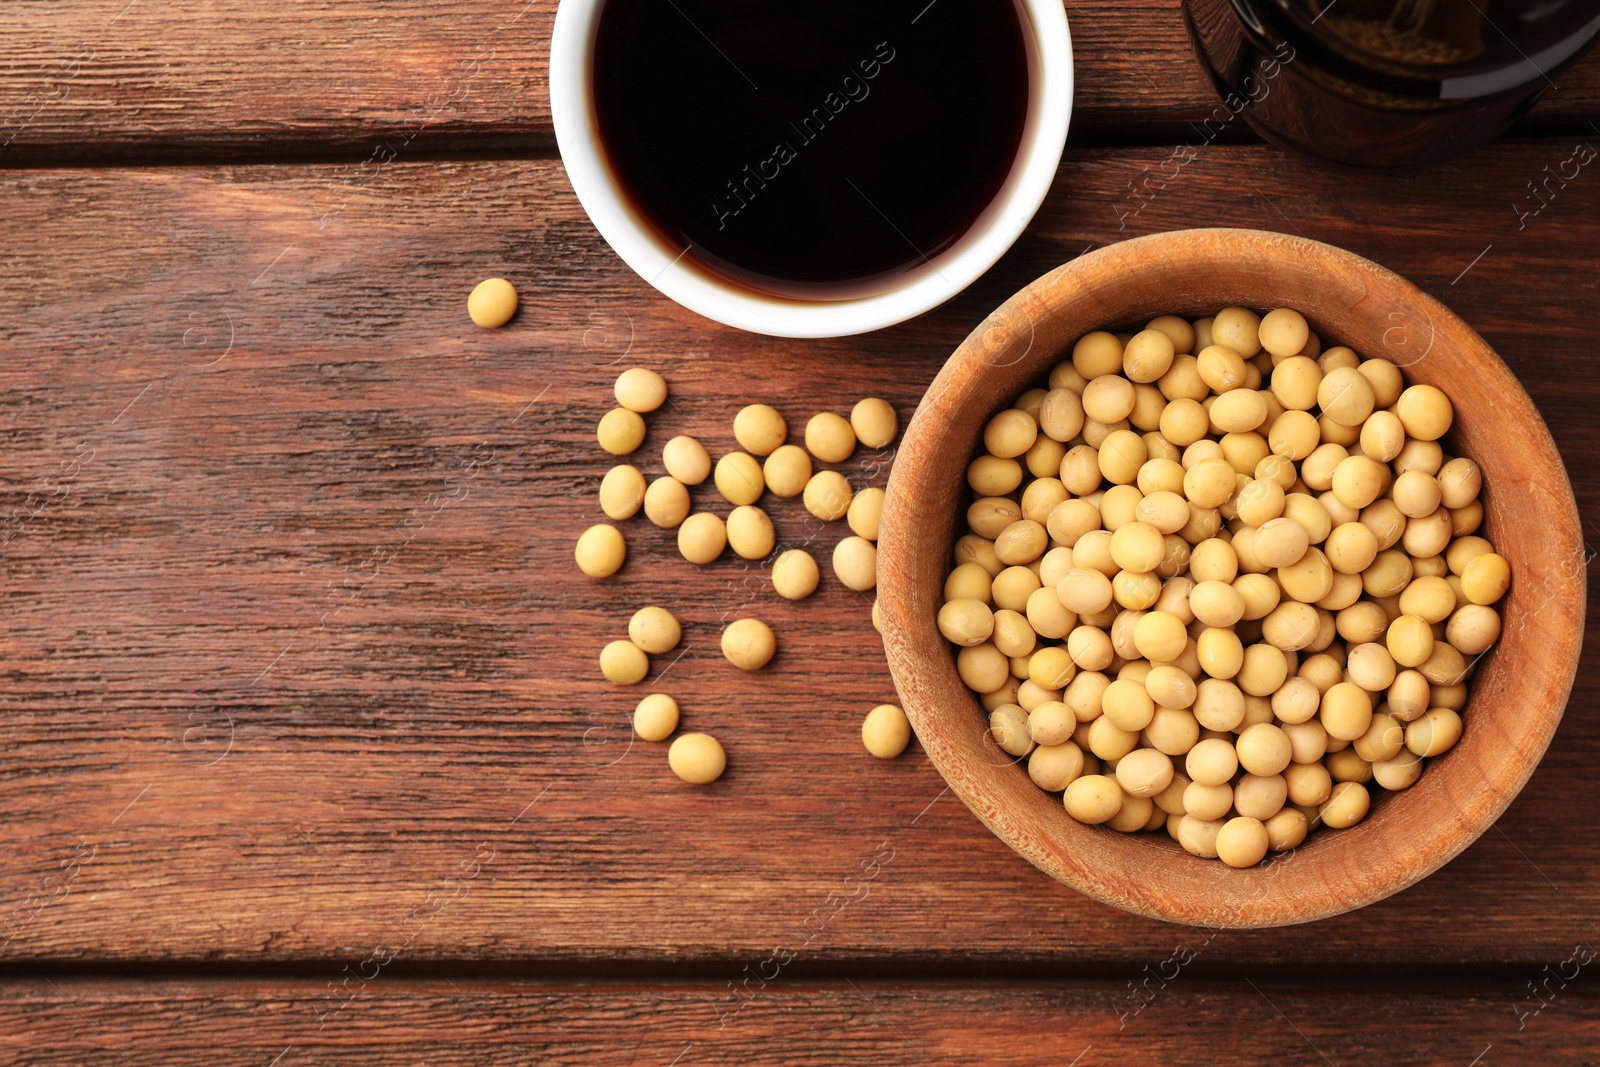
(1518, 690)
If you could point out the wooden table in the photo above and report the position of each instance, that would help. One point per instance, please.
(304, 757)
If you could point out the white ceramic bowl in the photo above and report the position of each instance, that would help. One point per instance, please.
(1043, 138)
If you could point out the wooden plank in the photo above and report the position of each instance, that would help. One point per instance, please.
(239, 79)
(1188, 1020)
(297, 662)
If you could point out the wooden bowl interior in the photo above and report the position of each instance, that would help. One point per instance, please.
(1518, 691)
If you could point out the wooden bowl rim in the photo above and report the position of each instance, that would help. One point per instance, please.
(1117, 868)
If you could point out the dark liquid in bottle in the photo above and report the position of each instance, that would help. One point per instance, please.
(1386, 82)
(819, 149)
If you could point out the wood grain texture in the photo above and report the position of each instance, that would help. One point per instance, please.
(1516, 695)
(293, 639)
(239, 78)
(1184, 1021)
(159, 80)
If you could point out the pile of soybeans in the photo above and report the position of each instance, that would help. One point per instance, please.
(1221, 581)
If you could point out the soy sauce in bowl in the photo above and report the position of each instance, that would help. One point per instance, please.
(824, 149)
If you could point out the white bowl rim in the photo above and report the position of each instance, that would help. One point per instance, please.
(1044, 138)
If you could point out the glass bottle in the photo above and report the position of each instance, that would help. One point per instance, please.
(1385, 82)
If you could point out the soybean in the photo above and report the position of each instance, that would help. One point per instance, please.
(795, 574)
(697, 758)
(749, 644)
(739, 479)
(759, 429)
(622, 492)
(830, 438)
(600, 551)
(640, 389)
(865, 513)
(750, 532)
(886, 731)
(827, 496)
(666, 502)
(656, 717)
(620, 431)
(874, 422)
(654, 630)
(492, 303)
(702, 537)
(855, 562)
(787, 470)
(686, 460)
(624, 663)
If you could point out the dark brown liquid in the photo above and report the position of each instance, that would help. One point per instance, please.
(814, 148)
